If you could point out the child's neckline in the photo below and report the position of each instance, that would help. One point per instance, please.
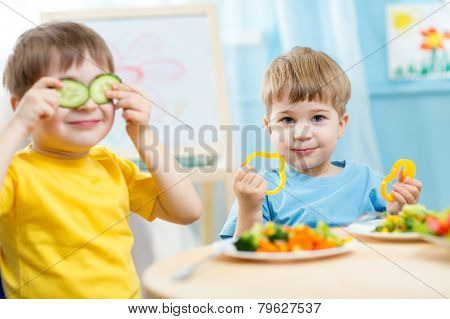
(60, 163)
(333, 168)
(328, 179)
(55, 155)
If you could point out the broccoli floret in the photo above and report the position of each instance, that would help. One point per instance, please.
(247, 242)
(276, 232)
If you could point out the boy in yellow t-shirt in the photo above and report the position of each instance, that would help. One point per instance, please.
(64, 202)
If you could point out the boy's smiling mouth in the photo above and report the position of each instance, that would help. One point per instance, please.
(304, 150)
(84, 123)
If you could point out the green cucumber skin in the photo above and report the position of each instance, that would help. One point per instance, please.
(76, 101)
(99, 97)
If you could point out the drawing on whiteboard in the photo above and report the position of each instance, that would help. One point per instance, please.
(141, 63)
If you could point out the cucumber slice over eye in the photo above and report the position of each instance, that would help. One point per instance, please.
(73, 94)
(100, 85)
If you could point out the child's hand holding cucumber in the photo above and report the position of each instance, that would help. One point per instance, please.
(136, 107)
(39, 103)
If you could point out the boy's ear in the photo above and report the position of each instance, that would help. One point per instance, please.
(266, 124)
(14, 101)
(342, 125)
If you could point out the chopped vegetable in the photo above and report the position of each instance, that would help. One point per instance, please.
(407, 221)
(277, 238)
(249, 239)
(436, 224)
(416, 218)
(100, 85)
(73, 94)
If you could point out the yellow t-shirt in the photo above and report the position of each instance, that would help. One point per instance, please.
(64, 229)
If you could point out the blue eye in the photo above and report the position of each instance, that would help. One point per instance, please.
(288, 120)
(318, 118)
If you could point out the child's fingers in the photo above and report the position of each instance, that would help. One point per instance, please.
(242, 172)
(123, 104)
(128, 90)
(256, 181)
(129, 103)
(133, 116)
(260, 182)
(112, 94)
(48, 82)
(249, 176)
(51, 99)
(50, 94)
(412, 189)
(399, 198)
(415, 182)
(239, 175)
(49, 108)
(123, 87)
(399, 188)
(394, 208)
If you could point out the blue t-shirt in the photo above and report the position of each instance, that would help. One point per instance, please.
(338, 200)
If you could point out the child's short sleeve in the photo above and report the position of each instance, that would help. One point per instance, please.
(7, 192)
(142, 189)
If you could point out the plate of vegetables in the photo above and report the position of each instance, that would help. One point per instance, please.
(273, 242)
(394, 227)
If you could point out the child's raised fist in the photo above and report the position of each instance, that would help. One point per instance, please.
(250, 189)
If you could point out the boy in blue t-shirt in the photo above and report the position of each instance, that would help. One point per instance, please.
(305, 93)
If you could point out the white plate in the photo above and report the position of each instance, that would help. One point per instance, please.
(436, 240)
(231, 251)
(367, 229)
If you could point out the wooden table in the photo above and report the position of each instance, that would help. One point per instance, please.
(374, 269)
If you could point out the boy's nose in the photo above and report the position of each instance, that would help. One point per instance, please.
(302, 132)
(90, 105)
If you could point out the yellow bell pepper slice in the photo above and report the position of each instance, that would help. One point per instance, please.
(409, 171)
(282, 168)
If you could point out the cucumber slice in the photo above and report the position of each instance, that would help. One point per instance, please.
(73, 94)
(100, 85)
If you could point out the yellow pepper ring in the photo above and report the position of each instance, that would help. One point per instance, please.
(282, 168)
(409, 171)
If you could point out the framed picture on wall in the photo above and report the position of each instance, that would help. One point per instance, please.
(418, 37)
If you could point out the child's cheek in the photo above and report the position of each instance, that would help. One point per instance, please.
(108, 111)
(61, 115)
(281, 139)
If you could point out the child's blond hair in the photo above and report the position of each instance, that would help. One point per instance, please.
(303, 74)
